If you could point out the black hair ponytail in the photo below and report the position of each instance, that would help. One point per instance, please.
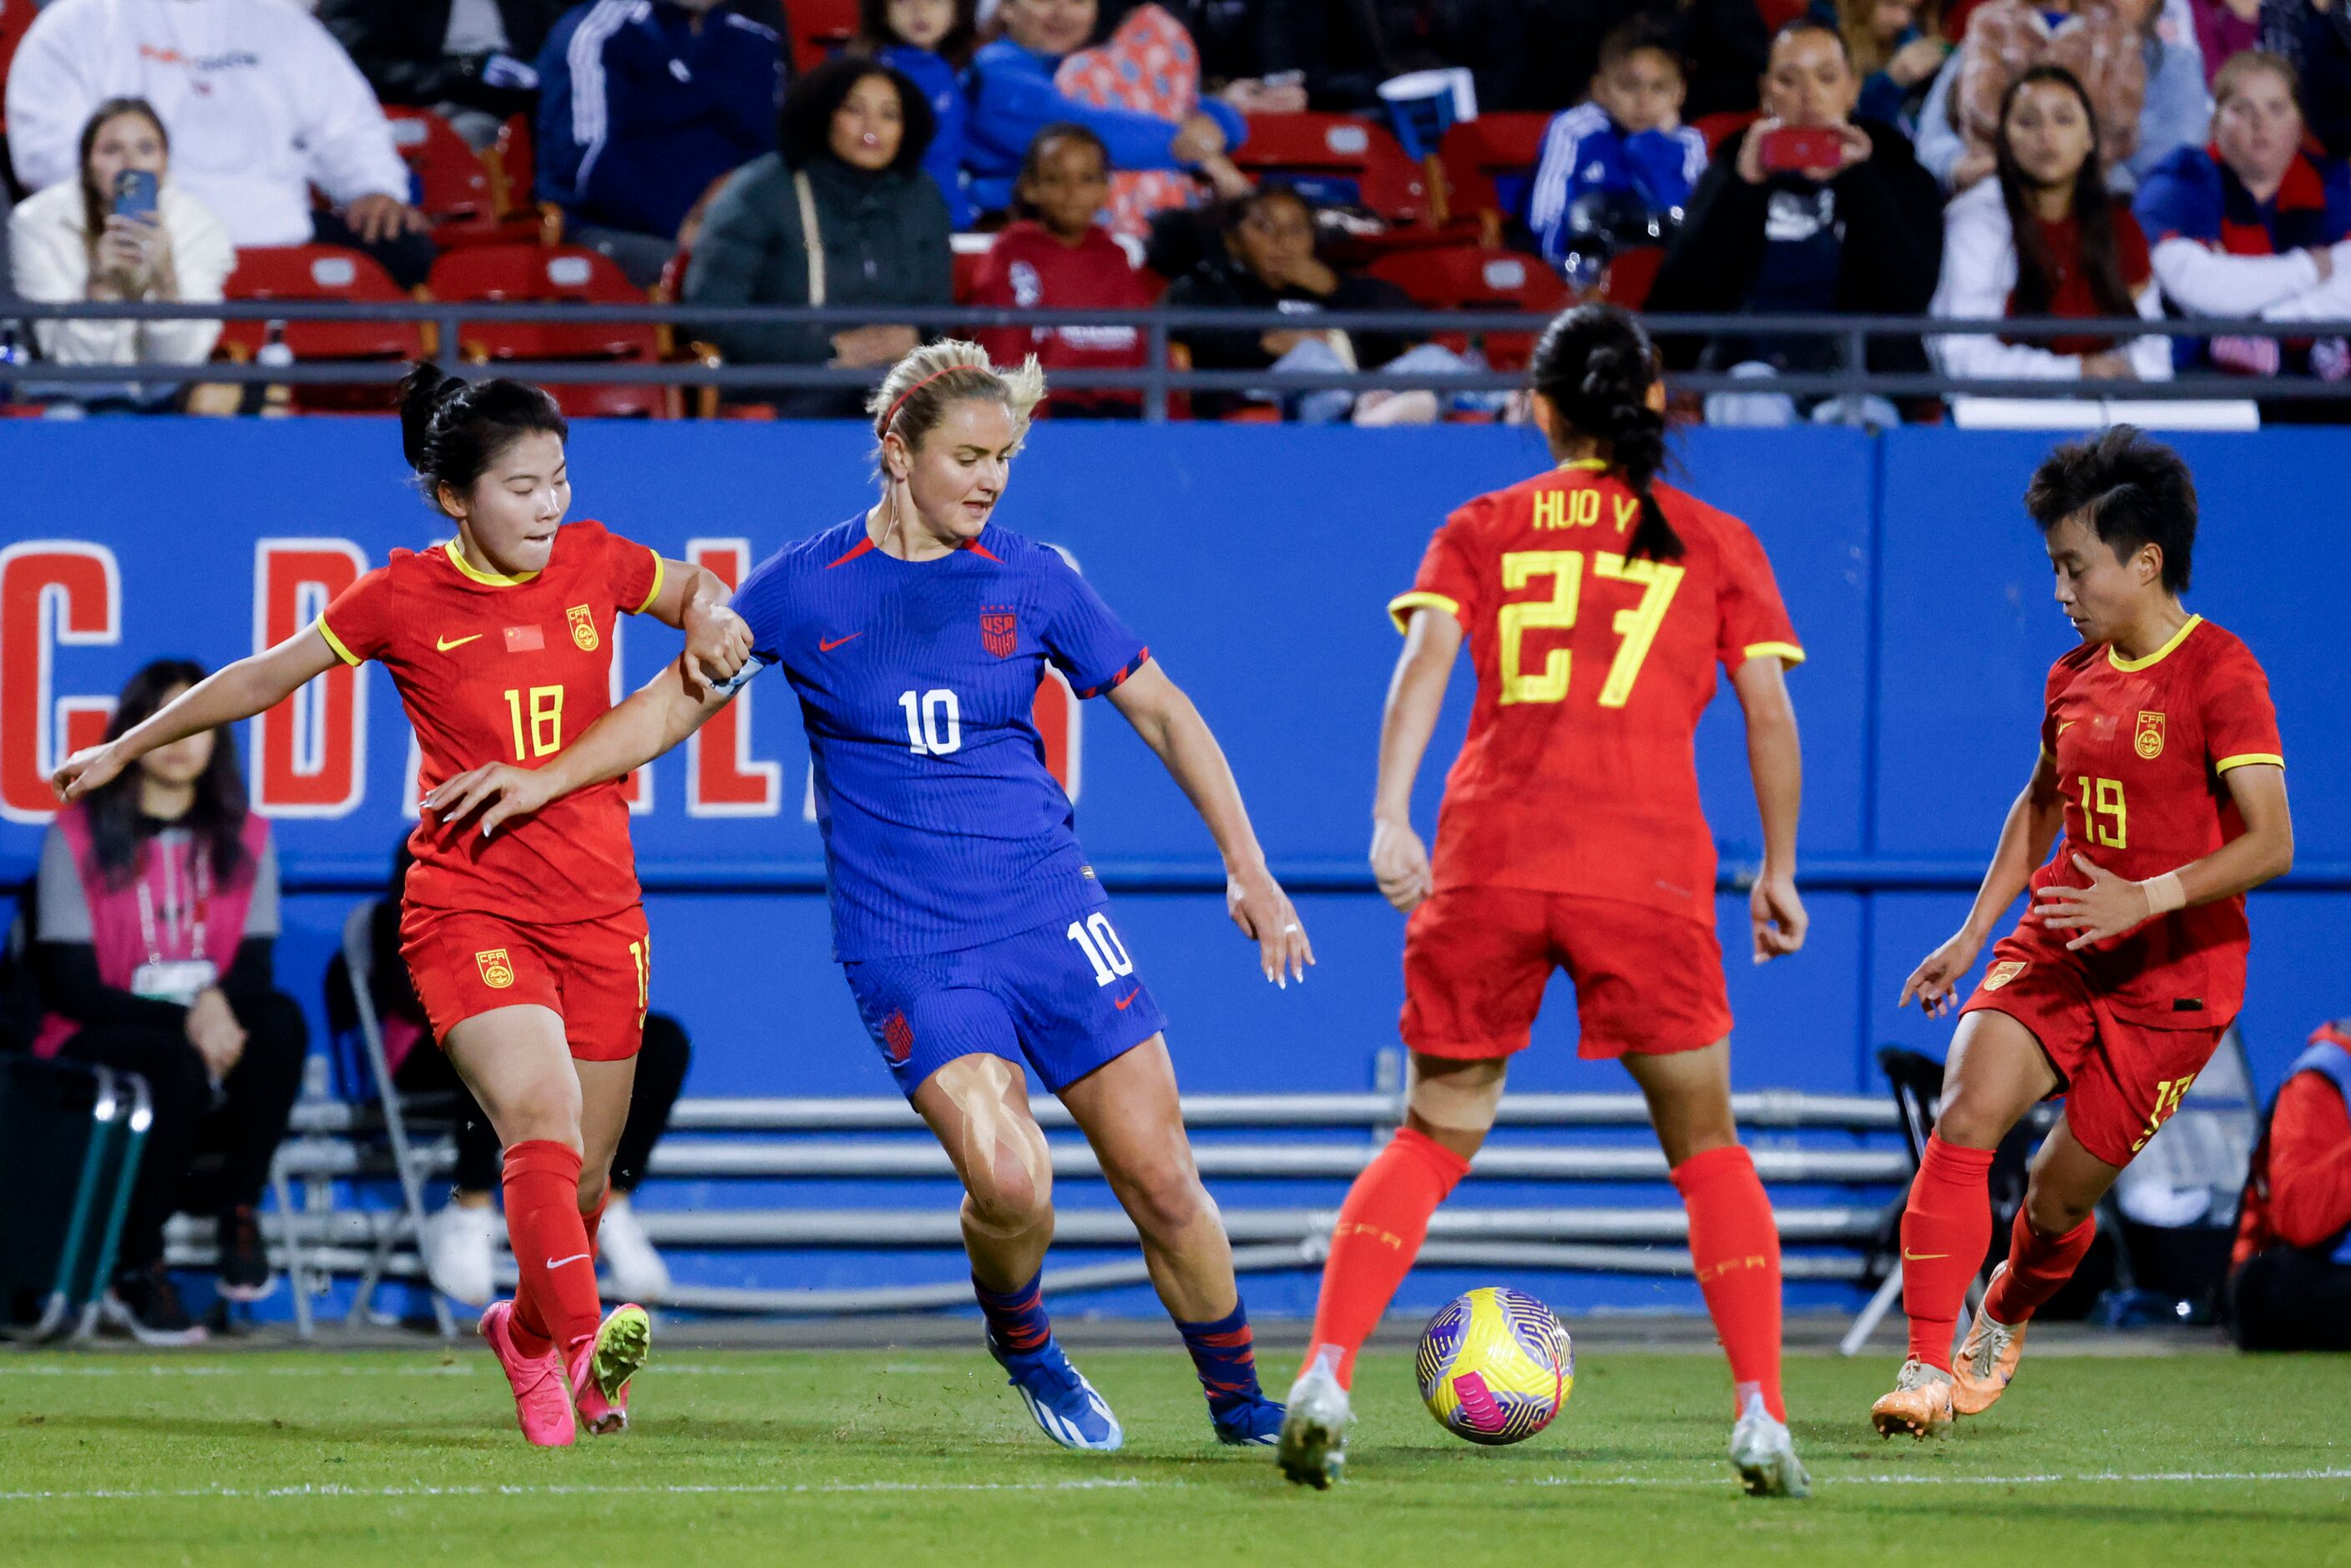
(451, 430)
(1597, 365)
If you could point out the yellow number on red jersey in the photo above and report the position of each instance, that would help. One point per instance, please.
(1637, 625)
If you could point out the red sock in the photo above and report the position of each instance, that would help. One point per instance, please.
(594, 1217)
(2037, 1266)
(1736, 1246)
(1945, 1232)
(1380, 1229)
(556, 1300)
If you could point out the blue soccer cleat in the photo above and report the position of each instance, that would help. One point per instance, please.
(1064, 1404)
(1252, 1422)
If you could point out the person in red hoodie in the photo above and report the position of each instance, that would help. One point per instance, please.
(2290, 1274)
(1055, 256)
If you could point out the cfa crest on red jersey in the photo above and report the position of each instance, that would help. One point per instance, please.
(583, 627)
(497, 971)
(1000, 632)
(2149, 738)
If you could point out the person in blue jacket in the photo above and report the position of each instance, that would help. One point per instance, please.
(930, 42)
(1012, 96)
(1618, 171)
(644, 104)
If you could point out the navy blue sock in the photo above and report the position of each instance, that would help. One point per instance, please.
(1224, 1354)
(1016, 1319)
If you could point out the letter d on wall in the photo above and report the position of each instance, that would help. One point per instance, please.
(53, 593)
(309, 751)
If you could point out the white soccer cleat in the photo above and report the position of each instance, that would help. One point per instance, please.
(1313, 1448)
(1765, 1456)
(457, 1246)
(632, 1270)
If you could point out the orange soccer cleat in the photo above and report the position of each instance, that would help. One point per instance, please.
(1987, 1360)
(1920, 1404)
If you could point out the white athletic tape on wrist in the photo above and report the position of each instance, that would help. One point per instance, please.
(2164, 892)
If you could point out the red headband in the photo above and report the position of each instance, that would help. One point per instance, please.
(884, 429)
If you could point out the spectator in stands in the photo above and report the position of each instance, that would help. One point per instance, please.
(2044, 237)
(71, 243)
(2314, 37)
(1862, 236)
(843, 215)
(155, 911)
(1233, 40)
(2290, 1270)
(1147, 64)
(643, 105)
(2255, 226)
(1618, 171)
(2136, 58)
(930, 42)
(1056, 256)
(1267, 261)
(460, 1238)
(1725, 46)
(263, 104)
(2225, 29)
(469, 60)
(1013, 97)
(1896, 47)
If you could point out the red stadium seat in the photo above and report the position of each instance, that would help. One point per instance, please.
(819, 27)
(1778, 14)
(1721, 127)
(554, 274)
(322, 272)
(1334, 143)
(970, 256)
(1630, 276)
(513, 167)
(15, 16)
(455, 187)
(1479, 277)
(1475, 150)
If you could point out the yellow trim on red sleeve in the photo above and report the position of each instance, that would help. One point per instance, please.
(1585, 465)
(2127, 665)
(1419, 599)
(345, 655)
(660, 568)
(2249, 759)
(1786, 653)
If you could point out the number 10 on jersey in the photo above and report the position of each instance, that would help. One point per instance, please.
(1101, 947)
(933, 722)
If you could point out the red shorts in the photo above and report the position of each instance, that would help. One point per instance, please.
(1476, 960)
(2121, 1080)
(593, 974)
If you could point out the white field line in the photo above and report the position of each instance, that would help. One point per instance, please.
(1105, 1483)
(1900, 1480)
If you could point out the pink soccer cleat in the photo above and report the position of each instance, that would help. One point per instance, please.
(542, 1404)
(602, 1367)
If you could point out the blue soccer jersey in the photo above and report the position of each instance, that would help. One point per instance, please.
(942, 829)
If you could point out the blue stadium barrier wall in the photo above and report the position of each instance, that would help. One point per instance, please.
(1255, 560)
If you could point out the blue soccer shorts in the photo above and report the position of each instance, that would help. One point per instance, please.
(1064, 996)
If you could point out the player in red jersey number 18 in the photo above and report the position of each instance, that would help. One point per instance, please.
(1598, 605)
(530, 951)
(2161, 780)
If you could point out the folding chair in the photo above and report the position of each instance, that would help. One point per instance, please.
(555, 274)
(457, 187)
(819, 27)
(408, 1160)
(1917, 1081)
(322, 272)
(1479, 277)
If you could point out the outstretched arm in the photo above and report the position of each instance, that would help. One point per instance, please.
(659, 715)
(1776, 762)
(251, 685)
(1168, 723)
(2033, 824)
(694, 599)
(1432, 641)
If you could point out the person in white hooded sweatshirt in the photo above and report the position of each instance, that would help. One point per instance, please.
(261, 103)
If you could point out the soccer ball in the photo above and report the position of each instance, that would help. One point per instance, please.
(1495, 1366)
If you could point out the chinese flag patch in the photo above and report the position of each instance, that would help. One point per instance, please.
(525, 640)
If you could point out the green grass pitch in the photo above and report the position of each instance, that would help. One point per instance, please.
(861, 1458)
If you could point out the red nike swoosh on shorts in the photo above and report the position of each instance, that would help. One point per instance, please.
(823, 646)
(1121, 1003)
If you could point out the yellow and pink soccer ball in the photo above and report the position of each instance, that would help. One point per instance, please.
(1495, 1366)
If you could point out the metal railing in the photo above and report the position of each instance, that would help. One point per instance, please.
(1156, 379)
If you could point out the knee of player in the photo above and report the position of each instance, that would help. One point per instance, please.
(548, 1111)
(1011, 1194)
(1454, 1102)
(1971, 1120)
(1166, 1200)
(594, 1181)
(2052, 1213)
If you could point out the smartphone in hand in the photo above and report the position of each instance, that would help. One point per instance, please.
(134, 194)
(1794, 147)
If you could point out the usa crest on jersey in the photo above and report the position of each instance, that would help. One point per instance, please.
(1000, 632)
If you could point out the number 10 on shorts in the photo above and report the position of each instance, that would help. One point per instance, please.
(1101, 947)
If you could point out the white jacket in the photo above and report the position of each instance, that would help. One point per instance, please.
(1979, 275)
(260, 101)
(51, 264)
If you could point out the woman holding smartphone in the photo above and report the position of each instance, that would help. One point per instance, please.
(122, 232)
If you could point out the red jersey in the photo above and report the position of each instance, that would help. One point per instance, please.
(507, 669)
(1028, 269)
(2140, 746)
(1579, 774)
